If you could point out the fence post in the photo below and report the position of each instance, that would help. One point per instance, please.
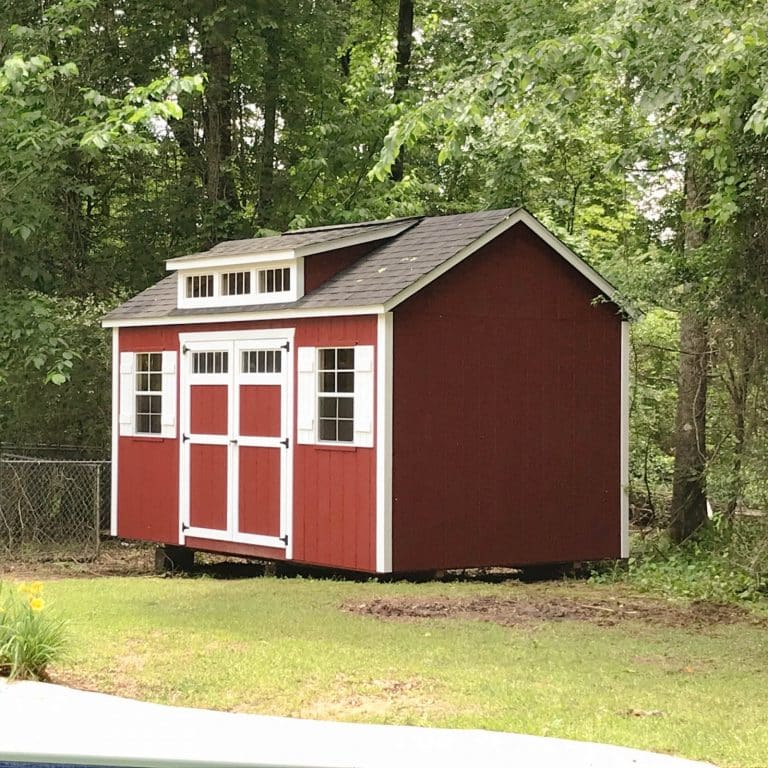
(97, 506)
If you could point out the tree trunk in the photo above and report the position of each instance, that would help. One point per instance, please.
(268, 142)
(737, 381)
(402, 69)
(689, 496)
(216, 52)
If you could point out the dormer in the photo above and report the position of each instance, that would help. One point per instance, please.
(269, 270)
(221, 282)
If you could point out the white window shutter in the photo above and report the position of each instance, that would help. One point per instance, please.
(364, 377)
(306, 395)
(168, 418)
(127, 381)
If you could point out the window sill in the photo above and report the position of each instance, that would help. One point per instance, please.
(332, 447)
(148, 438)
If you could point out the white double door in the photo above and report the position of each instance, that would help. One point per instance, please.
(236, 444)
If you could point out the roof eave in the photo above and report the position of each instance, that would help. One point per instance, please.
(237, 317)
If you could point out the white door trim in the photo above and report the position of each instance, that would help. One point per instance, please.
(235, 342)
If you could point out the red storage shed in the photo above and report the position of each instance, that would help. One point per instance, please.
(385, 397)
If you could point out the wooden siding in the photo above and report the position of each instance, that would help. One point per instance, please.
(148, 486)
(334, 498)
(334, 488)
(506, 421)
(321, 267)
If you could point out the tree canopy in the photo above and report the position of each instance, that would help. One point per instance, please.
(133, 132)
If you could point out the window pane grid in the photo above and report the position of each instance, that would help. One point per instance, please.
(199, 286)
(149, 380)
(210, 362)
(336, 387)
(262, 361)
(235, 283)
(275, 280)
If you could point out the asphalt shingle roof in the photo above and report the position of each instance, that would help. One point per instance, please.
(292, 239)
(375, 278)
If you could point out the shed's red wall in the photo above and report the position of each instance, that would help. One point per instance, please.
(148, 476)
(506, 418)
(334, 499)
(334, 489)
(321, 267)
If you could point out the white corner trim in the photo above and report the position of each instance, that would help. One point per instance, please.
(114, 466)
(624, 447)
(519, 216)
(384, 360)
(239, 317)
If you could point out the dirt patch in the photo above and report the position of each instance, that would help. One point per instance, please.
(538, 609)
(115, 558)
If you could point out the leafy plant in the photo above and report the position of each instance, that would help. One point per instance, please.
(30, 637)
(725, 562)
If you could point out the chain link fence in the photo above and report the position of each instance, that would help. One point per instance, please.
(52, 507)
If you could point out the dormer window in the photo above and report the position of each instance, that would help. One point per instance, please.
(199, 286)
(275, 280)
(243, 284)
(236, 283)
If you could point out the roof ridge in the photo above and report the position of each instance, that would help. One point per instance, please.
(351, 225)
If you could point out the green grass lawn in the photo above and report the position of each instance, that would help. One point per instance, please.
(283, 646)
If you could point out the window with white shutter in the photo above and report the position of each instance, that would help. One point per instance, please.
(147, 394)
(335, 395)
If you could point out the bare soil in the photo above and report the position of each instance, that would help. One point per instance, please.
(115, 558)
(537, 608)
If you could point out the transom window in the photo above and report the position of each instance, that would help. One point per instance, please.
(149, 388)
(199, 286)
(262, 361)
(210, 362)
(275, 280)
(235, 283)
(336, 394)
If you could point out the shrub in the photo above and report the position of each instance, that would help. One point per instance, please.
(725, 561)
(30, 637)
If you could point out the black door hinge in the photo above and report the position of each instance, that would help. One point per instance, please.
(286, 346)
(284, 539)
(184, 438)
(285, 442)
(184, 349)
(184, 527)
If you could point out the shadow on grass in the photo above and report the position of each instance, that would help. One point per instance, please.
(251, 569)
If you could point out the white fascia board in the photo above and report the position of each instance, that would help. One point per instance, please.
(223, 260)
(240, 317)
(519, 216)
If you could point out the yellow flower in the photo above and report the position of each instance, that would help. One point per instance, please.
(36, 603)
(36, 587)
(24, 588)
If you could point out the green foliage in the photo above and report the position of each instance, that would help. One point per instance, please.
(30, 637)
(67, 342)
(726, 562)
